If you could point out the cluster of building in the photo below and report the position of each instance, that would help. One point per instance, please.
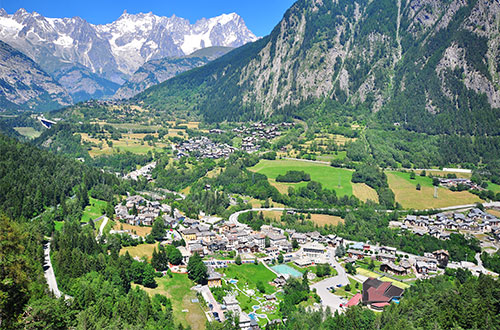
(138, 211)
(144, 171)
(439, 225)
(203, 147)
(455, 182)
(255, 133)
(389, 257)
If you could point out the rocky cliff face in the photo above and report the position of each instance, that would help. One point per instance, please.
(24, 85)
(405, 60)
(157, 71)
(77, 51)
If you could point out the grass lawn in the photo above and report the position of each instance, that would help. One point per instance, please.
(178, 290)
(251, 274)
(141, 250)
(94, 210)
(29, 132)
(364, 192)
(368, 273)
(328, 176)
(140, 231)
(493, 187)
(396, 283)
(406, 194)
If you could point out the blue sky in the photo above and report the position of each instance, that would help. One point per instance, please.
(259, 15)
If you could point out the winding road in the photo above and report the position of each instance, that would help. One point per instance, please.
(329, 299)
(103, 224)
(49, 273)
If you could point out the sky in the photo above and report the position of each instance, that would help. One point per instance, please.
(260, 16)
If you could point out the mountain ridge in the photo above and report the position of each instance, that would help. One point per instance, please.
(23, 84)
(113, 51)
(157, 71)
(426, 64)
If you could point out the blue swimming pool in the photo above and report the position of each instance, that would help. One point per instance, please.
(284, 269)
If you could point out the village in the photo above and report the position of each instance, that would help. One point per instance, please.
(441, 225)
(251, 138)
(382, 272)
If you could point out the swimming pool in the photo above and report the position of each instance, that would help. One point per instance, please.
(284, 269)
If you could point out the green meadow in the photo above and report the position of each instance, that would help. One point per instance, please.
(328, 176)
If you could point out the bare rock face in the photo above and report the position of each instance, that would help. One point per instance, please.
(405, 59)
(24, 85)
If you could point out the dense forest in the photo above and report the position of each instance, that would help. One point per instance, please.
(32, 179)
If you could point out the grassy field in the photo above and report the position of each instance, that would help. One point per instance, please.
(406, 194)
(364, 192)
(328, 176)
(142, 250)
(141, 231)
(319, 219)
(94, 210)
(443, 173)
(29, 132)
(493, 187)
(251, 274)
(178, 290)
(367, 273)
(494, 212)
(129, 142)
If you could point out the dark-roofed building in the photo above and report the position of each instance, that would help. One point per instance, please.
(378, 294)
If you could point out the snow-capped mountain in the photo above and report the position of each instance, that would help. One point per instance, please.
(116, 50)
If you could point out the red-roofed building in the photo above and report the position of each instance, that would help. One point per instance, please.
(378, 294)
(354, 300)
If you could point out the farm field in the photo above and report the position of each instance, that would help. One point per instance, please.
(406, 194)
(364, 192)
(94, 210)
(328, 176)
(129, 142)
(140, 231)
(443, 173)
(493, 187)
(319, 219)
(178, 290)
(141, 250)
(494, 212)
(29, 132)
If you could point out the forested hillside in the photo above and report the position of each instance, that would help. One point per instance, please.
(430, 66)
(32, 179)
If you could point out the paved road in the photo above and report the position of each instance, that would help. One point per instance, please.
(328, 299)
(103, 224)
(207, 295)
(49, 273)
